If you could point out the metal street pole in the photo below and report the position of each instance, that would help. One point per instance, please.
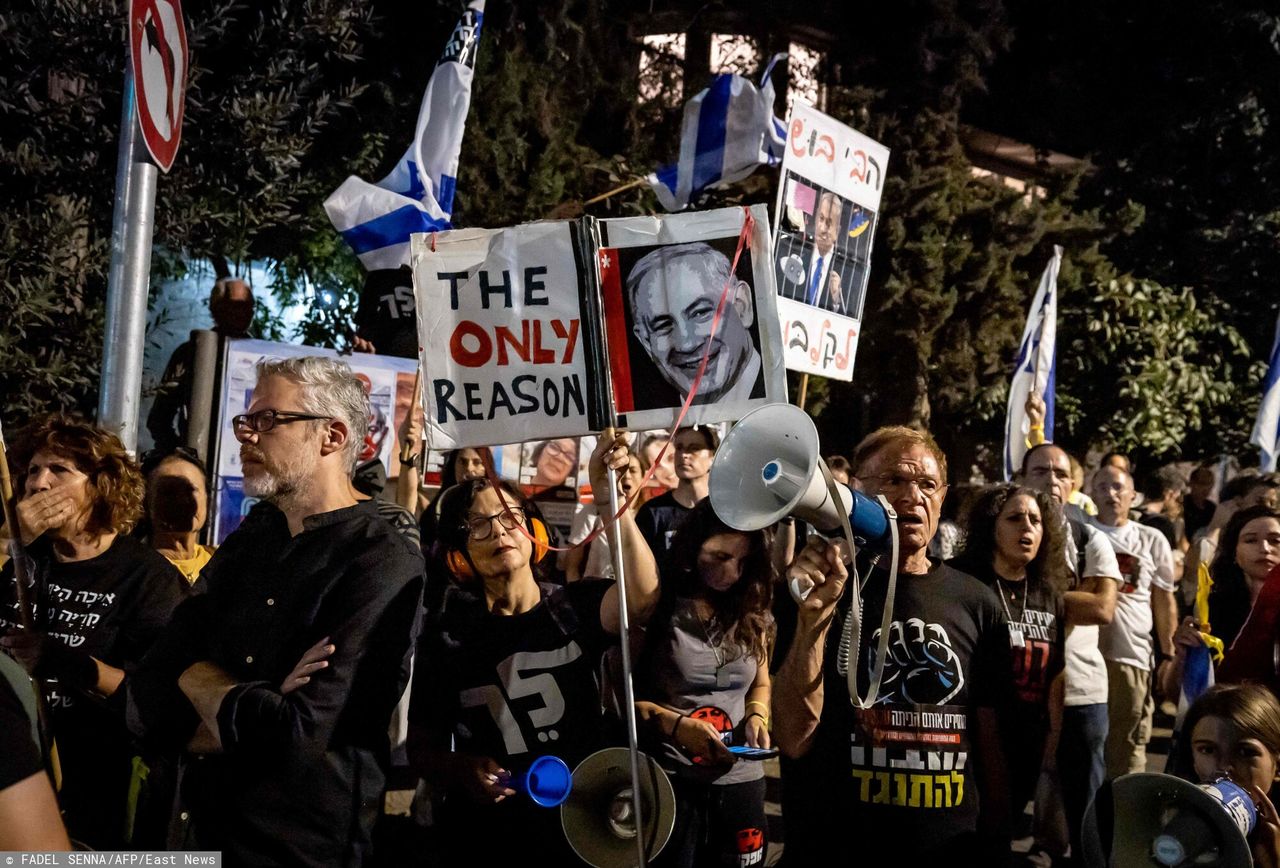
(128, 279)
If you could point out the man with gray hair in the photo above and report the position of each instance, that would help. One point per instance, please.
(284, 675)
(674, 291)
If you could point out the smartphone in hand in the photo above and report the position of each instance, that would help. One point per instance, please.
(753, 753)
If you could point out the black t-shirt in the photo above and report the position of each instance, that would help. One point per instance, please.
(513, 688)
(1162, 524)
(900, 775)
(386, 316)
(111, 607)
(658, 520)
(19, 754)
(1196, 517)
(1037, 658)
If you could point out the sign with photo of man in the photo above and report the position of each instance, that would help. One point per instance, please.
(661, 279)
(828, 200)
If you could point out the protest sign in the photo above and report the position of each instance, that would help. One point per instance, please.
(388, 381)
(500, 323)
(661, 279)
(827, 209)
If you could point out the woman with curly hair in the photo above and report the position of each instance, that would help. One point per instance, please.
(100, 598)
(703, 686)
(1014, 542)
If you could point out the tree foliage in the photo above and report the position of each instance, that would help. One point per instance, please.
(1169, 227)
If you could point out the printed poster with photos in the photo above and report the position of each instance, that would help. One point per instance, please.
(827, 210)
(518, 344)
(388, 381)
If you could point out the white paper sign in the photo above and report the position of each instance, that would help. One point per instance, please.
(827, 210)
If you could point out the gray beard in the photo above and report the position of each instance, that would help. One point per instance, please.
(276, 488)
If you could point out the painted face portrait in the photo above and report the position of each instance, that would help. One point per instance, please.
(674, 292)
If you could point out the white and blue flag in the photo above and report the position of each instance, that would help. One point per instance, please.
(1266, 430)
(1035, 370)
(729, 131)
(417, 195)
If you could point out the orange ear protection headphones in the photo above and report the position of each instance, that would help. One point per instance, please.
(459, 563)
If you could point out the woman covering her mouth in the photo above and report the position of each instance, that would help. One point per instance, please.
(1015, 544)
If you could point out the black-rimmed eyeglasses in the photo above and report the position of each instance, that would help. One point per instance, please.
(264, 420)
(480, 527)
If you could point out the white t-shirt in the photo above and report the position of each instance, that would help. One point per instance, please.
(1086, 670)
(599, 562)
(1145, 558)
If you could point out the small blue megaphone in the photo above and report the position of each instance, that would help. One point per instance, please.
(547, 781)
(769, 467)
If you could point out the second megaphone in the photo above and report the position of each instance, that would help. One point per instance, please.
(769, 467)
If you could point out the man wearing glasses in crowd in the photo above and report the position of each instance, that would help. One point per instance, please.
(904, 772)
(284, 675)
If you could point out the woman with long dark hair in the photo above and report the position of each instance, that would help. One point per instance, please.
(1249, 551)
(704, 686)
(1014, 542)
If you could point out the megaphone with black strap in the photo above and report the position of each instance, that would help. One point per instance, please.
(769, 467)
(1166, 822)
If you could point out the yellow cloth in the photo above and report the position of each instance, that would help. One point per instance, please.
(1204, 584)
(1084, 501)
(191, 567)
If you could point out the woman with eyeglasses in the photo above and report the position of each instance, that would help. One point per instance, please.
(509, 672)
(554, 461)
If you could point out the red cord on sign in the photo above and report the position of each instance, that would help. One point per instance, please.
(744, 242)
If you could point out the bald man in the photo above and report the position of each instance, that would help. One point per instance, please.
(1146, 598)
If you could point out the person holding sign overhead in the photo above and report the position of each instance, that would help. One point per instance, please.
(509, 673)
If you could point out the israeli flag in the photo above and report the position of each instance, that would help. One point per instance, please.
(729, 130)
(1266, 431)
(1035, 370)
(417, 195)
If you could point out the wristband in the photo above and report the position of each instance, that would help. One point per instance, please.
(1037, 427)
(412, 459)
(762, 715)
(676, 727)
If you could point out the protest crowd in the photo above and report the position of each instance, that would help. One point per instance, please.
(395, 648)
(346, 681)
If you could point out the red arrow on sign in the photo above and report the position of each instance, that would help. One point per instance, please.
(158, 53)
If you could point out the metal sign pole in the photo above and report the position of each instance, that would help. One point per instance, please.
(128, 279)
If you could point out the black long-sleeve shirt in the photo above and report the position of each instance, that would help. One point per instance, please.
(301, 775)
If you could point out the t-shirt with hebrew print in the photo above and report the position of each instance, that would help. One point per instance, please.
(900, 773)
(512, 688)
(111, 607)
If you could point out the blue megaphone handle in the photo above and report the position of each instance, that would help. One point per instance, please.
(869, 521)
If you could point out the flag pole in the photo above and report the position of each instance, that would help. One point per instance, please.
(630, 185)
(804, 390)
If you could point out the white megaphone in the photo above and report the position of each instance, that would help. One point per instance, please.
(598, 819)
(769, 467)
(1166, 822)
